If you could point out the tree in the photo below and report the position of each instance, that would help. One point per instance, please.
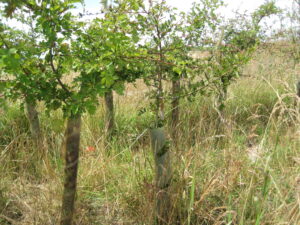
(109, 97)
(109, 50)
(22, 44)
(294, 16)
(237, 44)
(101, 54)
(169, 37)
(55, 25)
(157, 26)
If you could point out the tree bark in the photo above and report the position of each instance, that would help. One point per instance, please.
(110, 117)
(220, 122)
(223, 93)
(163, 174)
(160, 107)
(34, 122)
(71, 168)
(175, 106)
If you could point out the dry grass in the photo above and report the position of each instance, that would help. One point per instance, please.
(247, 173)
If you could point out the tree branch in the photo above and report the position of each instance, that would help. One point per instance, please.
(63, 86)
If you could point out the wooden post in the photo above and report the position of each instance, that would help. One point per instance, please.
(109, 118)
(34, 122)
(71, 168)
(163, 174)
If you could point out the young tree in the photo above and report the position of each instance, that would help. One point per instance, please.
(167, 34)
(101, 54)
(294, 31)
(23, 45)
(179, 34)
(55, 26)
(108, 47)
(53, 19)
(109, 97)
(157, 24)
(294, 16)
(238, 40)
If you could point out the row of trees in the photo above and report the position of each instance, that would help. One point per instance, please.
(132, 39)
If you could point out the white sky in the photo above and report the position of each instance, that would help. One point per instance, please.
(184, 5)
(243, 5)
(94, 6)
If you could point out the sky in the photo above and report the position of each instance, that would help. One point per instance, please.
(94, 6)
(249, 5)
(184, 5)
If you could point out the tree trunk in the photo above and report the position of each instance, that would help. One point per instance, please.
(163, 174)
(71, 168)
(34, 123)
(221, 100)
(221, 121)
(298, 88)
(175, 106)
(223, 94)
(159, 102)
(109, 122)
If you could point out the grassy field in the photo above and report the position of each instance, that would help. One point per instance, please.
(248, 173)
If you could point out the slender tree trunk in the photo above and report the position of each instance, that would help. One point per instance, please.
(34, 123)
(160, 107)
(161, 149)
(71, 168)
(220, 126)
(221, 100)
(224, 79)
(223, 94)
(160, 113)
(163, 174)
(175, 106)
(110, 117)
(298, 88)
